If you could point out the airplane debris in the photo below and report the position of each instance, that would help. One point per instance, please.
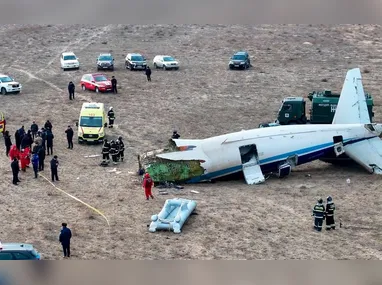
(92, 155)
(348, 181)
(118, 172)
(263, 151)
(193, 191)
(112, 170)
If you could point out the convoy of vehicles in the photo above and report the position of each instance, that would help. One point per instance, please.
(9, 85)
(97, 82)
(92, 123)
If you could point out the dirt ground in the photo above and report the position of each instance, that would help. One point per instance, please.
(202, 99)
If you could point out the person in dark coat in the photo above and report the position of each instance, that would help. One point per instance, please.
(26, 140)
(106, 150)
(319, 215)
(148, 73)
(329, 213)
(17, 139)
(49, 141)
(34, 129)
(175, 135)
(71, 88)
(111, 117)
(35, 161)
(54, 168)
(48, 124)
(69, 136)
(8, 142)
(41, 157)
(114, 85)
(113, 151)
(64, 238)
(21, 132)
(15, 171)
(43, 138)
(121, 148)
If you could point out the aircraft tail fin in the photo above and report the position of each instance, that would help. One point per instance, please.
(352, 106)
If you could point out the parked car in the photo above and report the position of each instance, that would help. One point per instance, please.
(69, 61)
(97, 82)
(166, 62)
(105, 61)
(135, 61)
(240, 60)
(9, 85)
(18, 251)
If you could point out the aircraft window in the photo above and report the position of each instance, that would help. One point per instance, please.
(287, 107)
(370, 127)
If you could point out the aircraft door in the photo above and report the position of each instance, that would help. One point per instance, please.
(250, 162)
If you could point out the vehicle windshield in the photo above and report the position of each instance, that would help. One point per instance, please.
(105, 58)
(87, 121)
(238, 57)
(6, 79)
(99, 78)
(137, 58)
(168, 58)
(69, 57)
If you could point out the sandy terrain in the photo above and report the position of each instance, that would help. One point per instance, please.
(202, 99)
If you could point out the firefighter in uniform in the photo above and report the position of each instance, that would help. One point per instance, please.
(105, 151)
(111, 117)
(117, 147)
(319, 215)
(121, 148)
(113, 151)
(330, 208)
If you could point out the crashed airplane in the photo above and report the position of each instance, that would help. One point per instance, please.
(276, 150)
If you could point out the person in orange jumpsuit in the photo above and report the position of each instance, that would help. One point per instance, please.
(14, 152)
(147, 185)
(25, 158)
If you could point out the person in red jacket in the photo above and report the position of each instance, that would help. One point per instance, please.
(25, 158)
(14, 153)
(147, 185)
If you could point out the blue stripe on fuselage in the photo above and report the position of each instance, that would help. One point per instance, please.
(271, 164)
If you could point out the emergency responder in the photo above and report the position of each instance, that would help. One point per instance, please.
(148, 73)
(69, 136)
(175, 135)
(319, 215)
(8, 142)
(111, 117)
(34, 129)
(113, 151)
(114, 85)
(329, 212)
(49, 141)
(117, 147)
(15, 171)
(106, 150)
(64, 238)
(147, 185)
(121, 148)
(54, 168)
(71, 88)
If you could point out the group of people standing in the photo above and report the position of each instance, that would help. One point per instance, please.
(31, 146)
(320, 213)
(115, 149)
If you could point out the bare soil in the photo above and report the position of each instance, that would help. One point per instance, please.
(202, 99)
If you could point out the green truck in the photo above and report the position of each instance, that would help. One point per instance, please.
(323, 108)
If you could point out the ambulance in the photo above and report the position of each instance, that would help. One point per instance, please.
(2, 123)
(92, 123)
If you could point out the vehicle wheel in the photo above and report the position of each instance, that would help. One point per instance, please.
(155, 66)
(176, 68)
(97, 68)
(83, 87)
(164, 67)
(17, 92)
(3, 91)
(97, 90)
(79, 142)
(131, 68)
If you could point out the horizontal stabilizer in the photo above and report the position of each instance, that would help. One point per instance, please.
(183, 155)
(352, 106)
(367, 153)
(184, 142)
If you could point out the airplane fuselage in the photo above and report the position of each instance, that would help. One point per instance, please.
(273, 146)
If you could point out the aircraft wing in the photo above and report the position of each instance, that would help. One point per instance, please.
(367, 153)
(352, 106)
